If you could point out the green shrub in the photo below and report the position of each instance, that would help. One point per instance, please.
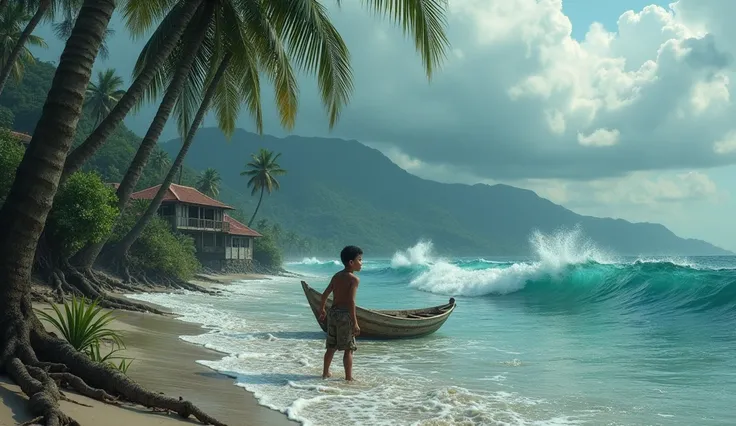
(11, 153)
(158, 249)
(7, 117)
(267, 253)
(84, 212)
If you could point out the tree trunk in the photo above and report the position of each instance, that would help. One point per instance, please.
(181, 172)
(43, 6)
(94, 141)
(26, 208)
(88, 256)
(260, 199)
(127, 241)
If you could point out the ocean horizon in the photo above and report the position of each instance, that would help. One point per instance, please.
(572, 335)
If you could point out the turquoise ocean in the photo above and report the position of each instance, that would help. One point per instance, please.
(571, 335)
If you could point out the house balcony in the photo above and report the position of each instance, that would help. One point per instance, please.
(211, 249)
(196, 224)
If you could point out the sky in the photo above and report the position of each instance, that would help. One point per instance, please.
(611, 108)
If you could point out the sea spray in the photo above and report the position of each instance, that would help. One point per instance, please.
(553, 253)
(420, 254)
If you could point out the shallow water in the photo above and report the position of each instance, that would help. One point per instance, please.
(574, 336)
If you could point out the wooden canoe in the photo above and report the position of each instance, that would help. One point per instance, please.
(387, 324)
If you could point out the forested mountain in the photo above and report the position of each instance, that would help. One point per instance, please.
(342, 192)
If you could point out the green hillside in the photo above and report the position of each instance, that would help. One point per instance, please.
(343, 192)
(20, 108)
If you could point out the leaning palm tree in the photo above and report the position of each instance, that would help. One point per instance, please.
(104, 94)
(263, 171)
(315, 46)
(140, 17)
(209, 182)
(12, 22)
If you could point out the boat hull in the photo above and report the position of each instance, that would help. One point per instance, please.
(387, 324)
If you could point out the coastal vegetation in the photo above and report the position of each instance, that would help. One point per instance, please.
(240, 40)
(85, 326)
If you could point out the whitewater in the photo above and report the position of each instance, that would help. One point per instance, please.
(571, 335)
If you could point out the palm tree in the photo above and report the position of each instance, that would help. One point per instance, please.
(160, 161)
(209, 182)
(263, 171)
(102, 96)
(27, 206)
(20, 11)
(11, 29)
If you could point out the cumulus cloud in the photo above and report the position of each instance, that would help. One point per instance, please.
(519, 98)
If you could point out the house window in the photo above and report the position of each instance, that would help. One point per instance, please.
(236, 242)
(194, 211)
(167, 210)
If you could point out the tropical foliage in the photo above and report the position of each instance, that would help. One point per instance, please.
(85, 326)
(12, 22)
(104, 94)
(84, 213)
(11, 152)
(209, 182)
(159, 249)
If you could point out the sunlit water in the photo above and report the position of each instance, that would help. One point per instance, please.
(574, 336)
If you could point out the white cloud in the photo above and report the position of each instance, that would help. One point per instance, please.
(524, 100)
(727, 144)
(600, 137)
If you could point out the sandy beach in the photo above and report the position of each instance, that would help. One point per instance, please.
(163, 363)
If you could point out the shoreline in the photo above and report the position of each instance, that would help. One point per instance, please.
(165, 363)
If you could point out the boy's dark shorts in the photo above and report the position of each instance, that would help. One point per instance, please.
(340, 330)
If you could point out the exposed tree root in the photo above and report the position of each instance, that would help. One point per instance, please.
(29, 355)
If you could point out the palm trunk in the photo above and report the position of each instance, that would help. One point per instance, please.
(24, 212)
(128, 240)
(181, 172)
(43, 7)
(260, 199)
(94, 141)
(88, 255)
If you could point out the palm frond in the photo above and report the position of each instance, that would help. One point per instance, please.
(318, 48)
(424, 20)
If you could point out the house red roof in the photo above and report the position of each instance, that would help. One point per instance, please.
(23, 137)
(237, 228)
(182, 194)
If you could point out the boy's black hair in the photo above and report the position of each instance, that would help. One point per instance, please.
(350, 253)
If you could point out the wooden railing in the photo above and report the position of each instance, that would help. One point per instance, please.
(196, 223)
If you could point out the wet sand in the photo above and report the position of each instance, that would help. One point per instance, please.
(163, 363)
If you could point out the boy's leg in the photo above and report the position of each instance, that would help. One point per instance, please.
(347, 362)
(329, 353)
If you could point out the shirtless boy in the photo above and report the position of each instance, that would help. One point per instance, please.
(342, 322)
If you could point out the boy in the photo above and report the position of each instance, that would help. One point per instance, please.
(342, 322)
